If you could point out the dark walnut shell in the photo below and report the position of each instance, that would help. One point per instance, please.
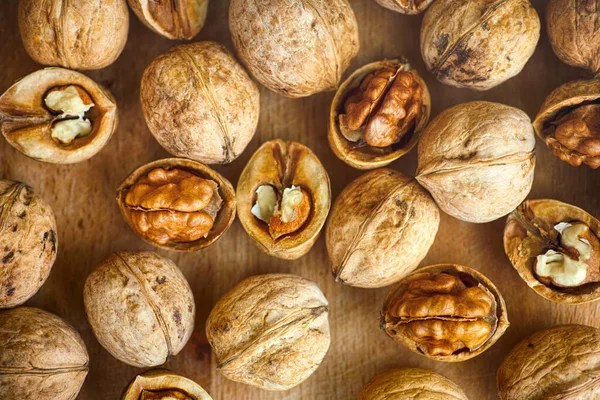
(270, 331)
(477, 160)
(411, 384)
(160, 384)
(200, 103)
(282, 165)
(381, 227)
(529, 233)
(296, 48)
(42, 357)
(557, 363)
(478, 44)
(140, 307)
(360, 154)
(446, 312)
(29, 243)
(410, 7)
(224, 216)
(182, 19)
(74, 34)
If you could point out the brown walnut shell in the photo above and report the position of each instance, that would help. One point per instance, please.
(26, 122)
(361, 155)
(140, 307)
(162, 383)
(410, 7)
(557, 363)
(478, 44)
(224, 217)
(181, 19)
(200, 103)
(445, 312)
(381, 227)
(296, 48)
(74, 34)
(270, 331)
(42, 357)
(477, 160)
(411, 384)
(524, 241)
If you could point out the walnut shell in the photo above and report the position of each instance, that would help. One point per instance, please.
(42, 357)
(160, 382)
(411, 384)
(557, 363)
(27, 123)
(224, 217)
(361, 155)
(140, 307)
(477, 160)
(200, 103)
(410, 7)
(270, 331)
(29, 242)
(180, 20)
(381, 227)
(74, 34)
(297, 48)
(478, 44)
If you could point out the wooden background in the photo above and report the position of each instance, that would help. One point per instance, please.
(90, 226)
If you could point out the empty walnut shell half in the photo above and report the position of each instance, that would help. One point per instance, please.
(283, 198)
(181, 19)
(42, 357)
(161, 384)
(445, 312)
(569, 122)
(270, 331)
(410, 7)
(378, 113)
(557, 363)
(555, 248)
(58, 116)
(177, 204)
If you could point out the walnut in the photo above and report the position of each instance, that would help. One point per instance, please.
(57, 116)
(177, 204)
(140, 307)
(477, 160)
(200, 103)
(29, 243)
(555, 247)
(554, 363)
(410, 7)
(445, 312)
(297, 48)
(182, 19)
(42, 357)
(270, 331)
(160, 384)
(478, 44)
(283, 198)
(74, 34)
(381, 227)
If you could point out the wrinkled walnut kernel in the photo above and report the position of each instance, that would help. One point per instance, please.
(171, 394)
(579, 130)
(283, 216)
(71, 103)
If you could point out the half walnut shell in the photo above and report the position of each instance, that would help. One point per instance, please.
(401, 106)
(177, 204)
(180, 19)
(163, 384)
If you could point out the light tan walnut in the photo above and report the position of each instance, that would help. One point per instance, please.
(410, 7)
(160, 384)
(179, 19)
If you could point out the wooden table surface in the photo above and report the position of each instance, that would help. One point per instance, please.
(90, 225)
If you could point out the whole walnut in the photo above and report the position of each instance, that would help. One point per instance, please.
(200, 103)
(42, 357)
(140, 307)
(28, 245)
(477, 160)
(174, 20)
(160, 384)
(478, 44)
(270, 331)
(410, 7)
(74, 34)
(560, 362)
(295, 48)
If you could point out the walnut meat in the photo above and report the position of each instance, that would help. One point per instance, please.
(140, 307)
(554, 363)
(295, 48)
(477, 160)
(410, 7)
(200, 103)
(42, 357)
(160, 384)
(381, 227)
(174, 20)
(74, 34)
(445, 312)
(478, 44)
(270, 331)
